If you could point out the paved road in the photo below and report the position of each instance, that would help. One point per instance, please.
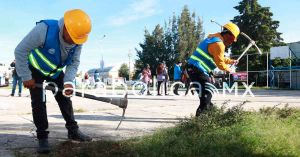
(143, 116)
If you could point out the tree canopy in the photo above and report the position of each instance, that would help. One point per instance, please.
(256, 21)
(173, 42)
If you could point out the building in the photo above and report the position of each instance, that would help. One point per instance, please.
(106, 74)
(289, 76)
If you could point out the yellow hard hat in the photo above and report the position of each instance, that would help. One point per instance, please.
(78, 25)
(233, 28)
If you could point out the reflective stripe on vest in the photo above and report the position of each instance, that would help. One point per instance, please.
(51, 65)
(35, 64)
(201, 57)
(202, 63)
(205, 55)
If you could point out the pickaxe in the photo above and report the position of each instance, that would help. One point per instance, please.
(251, 42)
(120, 102)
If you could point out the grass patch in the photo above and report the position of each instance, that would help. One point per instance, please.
(271, 132)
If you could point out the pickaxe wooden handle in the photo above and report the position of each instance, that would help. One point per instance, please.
(120, 102)
(251, 43)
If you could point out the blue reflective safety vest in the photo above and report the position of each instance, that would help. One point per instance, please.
(47, 58)
(201, 58)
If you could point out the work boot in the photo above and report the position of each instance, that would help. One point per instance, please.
(198, 112)
(77, 135)
(43, 146)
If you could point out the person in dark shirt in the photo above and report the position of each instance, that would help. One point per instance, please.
(16, 80)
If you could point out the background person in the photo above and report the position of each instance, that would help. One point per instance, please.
(16, 80)
(146, 77)
(161, 77)
(177, 76)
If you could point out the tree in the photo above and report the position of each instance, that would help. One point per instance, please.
(256, 21)
(190, 33)
(171, 43)
(124, 71)
(153, 50)
(278, 62)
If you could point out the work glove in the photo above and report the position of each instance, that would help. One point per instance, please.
(212, 79)
(68, 89)
(232, 70)
(30, 84)
(235, 62)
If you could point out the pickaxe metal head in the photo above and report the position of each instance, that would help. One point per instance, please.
(252, 42)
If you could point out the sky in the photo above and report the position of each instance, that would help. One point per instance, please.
(118, 25)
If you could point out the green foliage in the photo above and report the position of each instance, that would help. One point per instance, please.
(190, 33)
(281, 113)
(256, 21)
(124, 71)
(278, 62)
(218, 132)
(153, 50)
(171, 43)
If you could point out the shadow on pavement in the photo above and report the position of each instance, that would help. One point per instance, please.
(128, 119)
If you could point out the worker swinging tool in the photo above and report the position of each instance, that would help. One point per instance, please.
(210, 55)
(251, 43)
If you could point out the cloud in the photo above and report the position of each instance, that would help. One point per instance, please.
(136, 11)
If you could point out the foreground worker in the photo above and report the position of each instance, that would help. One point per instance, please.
(49, 47)
(209, 55)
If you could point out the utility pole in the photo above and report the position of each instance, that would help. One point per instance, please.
(129, 57)
(101, 61)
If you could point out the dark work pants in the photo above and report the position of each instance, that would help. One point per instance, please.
(159, 85)
(200, 77)
(187, 86)
(16, 80)
(39, 111)
(175, 91)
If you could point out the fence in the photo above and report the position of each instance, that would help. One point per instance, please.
(259, 69)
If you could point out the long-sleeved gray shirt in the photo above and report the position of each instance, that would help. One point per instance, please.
(36, 38)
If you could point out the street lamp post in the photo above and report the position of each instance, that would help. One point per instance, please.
(129, 56)
(101, 49)
(101, 77)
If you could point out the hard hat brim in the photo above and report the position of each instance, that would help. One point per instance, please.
(78, 41)
(68, 23)
(72, 35)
